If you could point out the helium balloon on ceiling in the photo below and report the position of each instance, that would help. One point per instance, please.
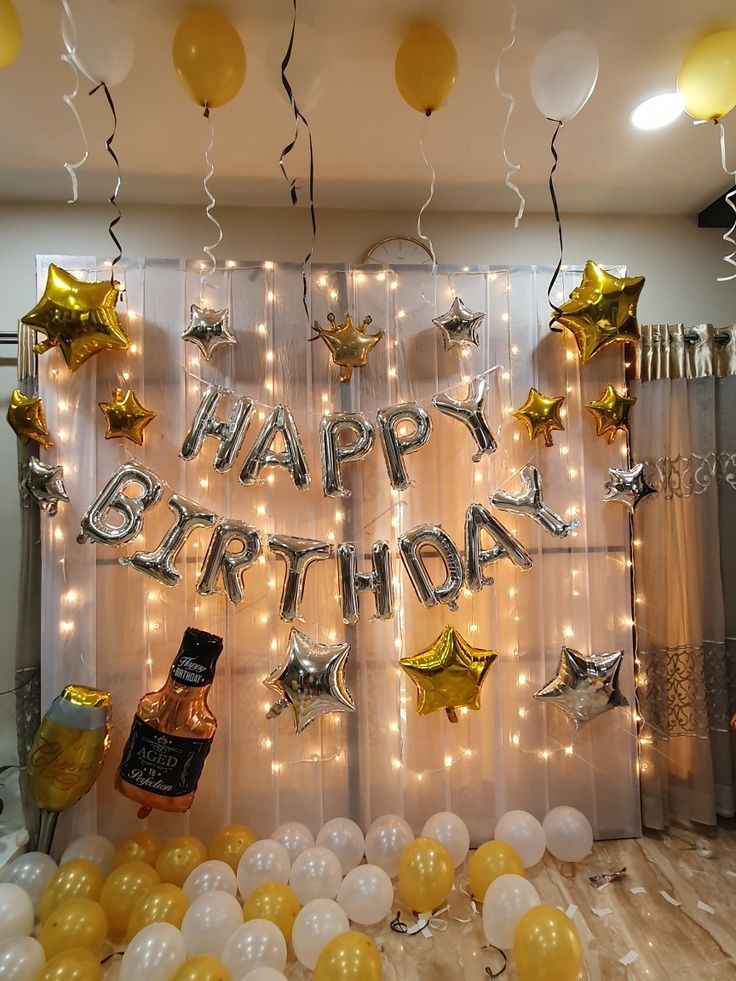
(425, 68)
(209, 57)
(100, 41)
(707, 79)
(10, 33)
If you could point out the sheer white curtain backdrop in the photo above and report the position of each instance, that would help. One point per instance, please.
(114, 627)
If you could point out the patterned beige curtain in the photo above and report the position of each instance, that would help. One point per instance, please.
(685, 570)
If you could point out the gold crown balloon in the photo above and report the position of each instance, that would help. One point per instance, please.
(67, 753)
(349, 344)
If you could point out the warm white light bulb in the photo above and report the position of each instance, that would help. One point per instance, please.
(657, 111)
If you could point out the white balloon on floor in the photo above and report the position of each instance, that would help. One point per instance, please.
(366, 894)
(209, 876)
(265, 974)
(16, 911)
(209, 923)
(385, 841)
(507, 899)
(264, 861)
(154, 953)
(569, 834)
(21, 958)
(295, 837)
(344, 838)
(316, 924)
(31, 872)
(257, 943)
(451, 831)
(95, 849)
(524, 833)
(316, 874)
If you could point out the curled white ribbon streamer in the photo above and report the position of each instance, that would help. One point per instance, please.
(730, 258)
(432, 181)
(68, 57)
(512, 167)
(208, 249)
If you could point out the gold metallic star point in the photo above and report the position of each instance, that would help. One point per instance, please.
(27, 419)
(349, 344)
(125, 416)
(611, 412)
(448, 674)
(541, 415)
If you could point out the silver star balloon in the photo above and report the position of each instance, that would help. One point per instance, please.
(459, 325)
(628, 487)
(529, 502)
(44, 484)
(208, 329)
(585, 687)
(311, 680)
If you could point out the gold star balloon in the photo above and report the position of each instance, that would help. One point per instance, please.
(541, 415)
(602, 310)
(349, 345)
(611, 412)
(77, 317)
(448, 674)
(28, 420)
(125, 416)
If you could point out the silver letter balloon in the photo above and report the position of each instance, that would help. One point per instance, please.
(433, 538)
(335, 450)
(161, 562)
(396, 446)
(96, 526)
(529, 503)
(470, 412)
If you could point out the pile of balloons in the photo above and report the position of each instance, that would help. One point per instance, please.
(230, 910)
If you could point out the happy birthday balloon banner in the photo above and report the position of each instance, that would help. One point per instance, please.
(117, 516)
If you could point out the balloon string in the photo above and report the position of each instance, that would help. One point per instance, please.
(113, 199)
(512, 167)
(432, 181)
(553, 195)
(68, 57)
(299, 118)
(209, 249)
(731, 201)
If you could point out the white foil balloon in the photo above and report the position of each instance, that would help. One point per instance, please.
(506, 900)
(344, 839)
(31, 872)
(16, 911)
(385, 840)
(316, 924)
(264, 861)
(295, 837)
(564, 74)
(257, 943)
(95, 849)
(315, 874)
(569, 834)
(209, 923)
(154, 953)
(451, 831)
(103, 48)
(265, 974)
(209, 876)
(524, 833)
(366, 894)
(21, 958)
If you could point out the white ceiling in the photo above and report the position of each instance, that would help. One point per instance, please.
(366, 138)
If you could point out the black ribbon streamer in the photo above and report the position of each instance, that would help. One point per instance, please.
(113, 199)
(299, 118)
(553, 195)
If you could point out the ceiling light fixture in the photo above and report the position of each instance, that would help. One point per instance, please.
(657, 111)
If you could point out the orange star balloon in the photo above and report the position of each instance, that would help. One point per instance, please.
(27, 419)
(349, 345)
(125, 416)
(448, 674)
(77, 317)
(602, 310)
(611, 412)
(541, 414)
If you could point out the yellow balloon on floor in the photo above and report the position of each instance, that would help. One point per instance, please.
(141, 846)
(76, 964)
(492, 859)
(274, 901)
(547, 946)
(350, 956)
(425, 68)
(707, 79)
(426, 874)
(76, 879)
(9, 33)
(179, 857)
(230, 842)
(203, 968)
(163, 904)
(209, 57)
(76, 923)
(123, 888)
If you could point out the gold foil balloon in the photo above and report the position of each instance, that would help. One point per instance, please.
(76, 923)
(707, 79)
(67, 753)
(141, 846)
(76, 879)
(425, 68)
(448, 674)
(123, 889)
(276, 902)
(602, 310)
(426, 874)
(541, 415)
(75, 964)
(179, 857)
(163, 904)
(230, 842)
(209, 57)
(203, 968)
(547, 946)
(10, 33)
(27, 419)
(492, 859)
(125, 416)
(77, 317)
(349, 956)
(349, 345)
(611, 412)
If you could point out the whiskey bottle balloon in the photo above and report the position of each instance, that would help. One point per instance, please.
(172, 731)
